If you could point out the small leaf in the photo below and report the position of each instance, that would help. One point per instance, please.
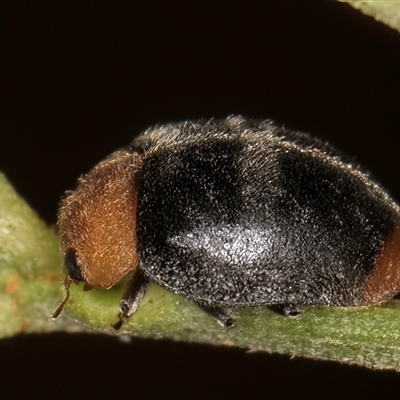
(387, 12)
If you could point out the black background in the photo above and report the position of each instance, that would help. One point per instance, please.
(80, 78)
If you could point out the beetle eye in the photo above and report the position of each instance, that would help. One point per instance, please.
(72, 266)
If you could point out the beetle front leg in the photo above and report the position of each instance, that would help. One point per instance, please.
(132, 297)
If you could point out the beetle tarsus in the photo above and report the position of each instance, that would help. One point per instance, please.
(287, 310)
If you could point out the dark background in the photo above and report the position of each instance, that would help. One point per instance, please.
(79, 79)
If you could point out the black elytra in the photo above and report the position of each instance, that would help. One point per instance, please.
(235, 213)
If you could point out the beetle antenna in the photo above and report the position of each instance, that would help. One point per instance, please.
(60, 308)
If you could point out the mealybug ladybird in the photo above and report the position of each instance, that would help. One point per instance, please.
(232, 213)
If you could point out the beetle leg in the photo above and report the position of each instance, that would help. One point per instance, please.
(224, 316)
(130, 301)
(287, 310)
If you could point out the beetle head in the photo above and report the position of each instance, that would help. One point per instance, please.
(97, 223)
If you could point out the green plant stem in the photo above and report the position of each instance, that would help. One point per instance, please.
(31, 277)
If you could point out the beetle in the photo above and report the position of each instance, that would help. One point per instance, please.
(232, 213)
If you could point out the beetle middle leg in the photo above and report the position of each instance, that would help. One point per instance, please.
(224, 316)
